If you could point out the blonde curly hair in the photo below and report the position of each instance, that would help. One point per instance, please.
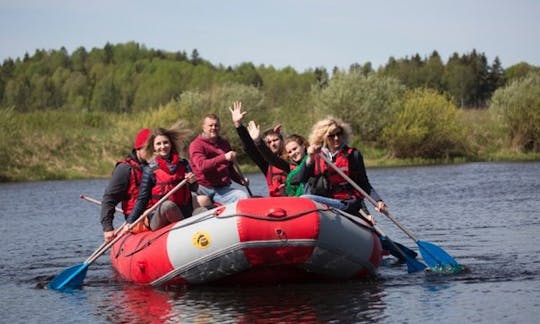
(329, 125)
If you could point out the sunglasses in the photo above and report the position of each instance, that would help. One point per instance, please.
(338, 134)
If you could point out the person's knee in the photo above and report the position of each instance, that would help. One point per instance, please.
(352, 206)
(203, 201)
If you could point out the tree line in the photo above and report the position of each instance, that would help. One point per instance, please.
(129, 77)
(89, 104)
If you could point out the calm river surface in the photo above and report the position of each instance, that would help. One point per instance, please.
(486, 215)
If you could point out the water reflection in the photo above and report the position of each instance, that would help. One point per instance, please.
(306, 303)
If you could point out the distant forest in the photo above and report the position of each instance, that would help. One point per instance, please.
(130, 78)
(414, 110)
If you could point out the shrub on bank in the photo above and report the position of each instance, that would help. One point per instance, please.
(518, 108)
(425, 125)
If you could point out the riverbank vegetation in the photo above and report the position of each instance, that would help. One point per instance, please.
(72, 116)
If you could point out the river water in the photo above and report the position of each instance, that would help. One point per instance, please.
(486, 215)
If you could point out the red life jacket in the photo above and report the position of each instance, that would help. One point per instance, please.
(341, 189)
(166, 181)
(135, 175)
(275, 179)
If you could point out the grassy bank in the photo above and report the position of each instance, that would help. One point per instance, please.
(81, 145)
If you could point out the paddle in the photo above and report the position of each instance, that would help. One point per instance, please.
(97, 202)
(413, 265)
(435, 257)
(237, 168)
(73, 277)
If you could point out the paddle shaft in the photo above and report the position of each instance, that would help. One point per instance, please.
(140, 219)
(367, 196)
(97, 202)
(237, 168)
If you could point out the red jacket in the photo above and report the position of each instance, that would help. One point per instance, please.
(209, 163)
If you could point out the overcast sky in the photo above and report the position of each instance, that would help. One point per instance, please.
(299, 33)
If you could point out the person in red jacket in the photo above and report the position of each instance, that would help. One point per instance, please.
(166, 170)
(330, 136)
(212, 160)
(273, 142)
(124, 184)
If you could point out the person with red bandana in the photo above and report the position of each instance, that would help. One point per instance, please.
(124, 184)
(167, 169)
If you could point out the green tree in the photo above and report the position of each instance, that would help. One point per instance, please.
(366, 102)
(18, 93)
(425, 125)
(496, 76)
(459, 80)
(518, 107)
(106, 95)
(433, 72)
(77, 91)
(519, 71)
(78, 60)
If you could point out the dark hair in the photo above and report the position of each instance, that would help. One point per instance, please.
(270, 132)
(177, 135)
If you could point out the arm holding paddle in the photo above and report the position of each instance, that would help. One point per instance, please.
(438, 259)
(116, 191)
(73, 277)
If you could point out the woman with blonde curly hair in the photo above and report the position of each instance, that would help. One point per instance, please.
(330, 136)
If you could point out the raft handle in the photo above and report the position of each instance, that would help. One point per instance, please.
(277, 212)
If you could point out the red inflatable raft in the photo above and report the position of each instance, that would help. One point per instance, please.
(256, 240)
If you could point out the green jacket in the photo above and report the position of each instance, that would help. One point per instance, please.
(297, 189)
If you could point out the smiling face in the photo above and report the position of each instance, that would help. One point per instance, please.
(295, 151)
(211, 127)
(334, 139)
(162, 146)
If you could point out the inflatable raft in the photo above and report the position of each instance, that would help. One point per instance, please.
(255, 240)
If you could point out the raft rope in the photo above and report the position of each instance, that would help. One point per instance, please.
(252, 216)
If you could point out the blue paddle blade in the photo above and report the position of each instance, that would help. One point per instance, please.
(402, 253)
(71, 278)
(414, 265)
(437, 258)
(410, 253)
(393, 246)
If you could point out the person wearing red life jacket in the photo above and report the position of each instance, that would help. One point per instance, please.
(165, 170)
(124, 184)
(330, 136)
(272, 140)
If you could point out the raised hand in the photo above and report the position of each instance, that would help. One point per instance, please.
(254, 130)
(237, 114)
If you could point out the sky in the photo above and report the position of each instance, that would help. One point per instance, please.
(303, 34)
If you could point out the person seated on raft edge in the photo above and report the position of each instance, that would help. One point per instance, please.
(213, 161)
(330, 136)
(272, 141)
(164, 171)
(124, 184)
